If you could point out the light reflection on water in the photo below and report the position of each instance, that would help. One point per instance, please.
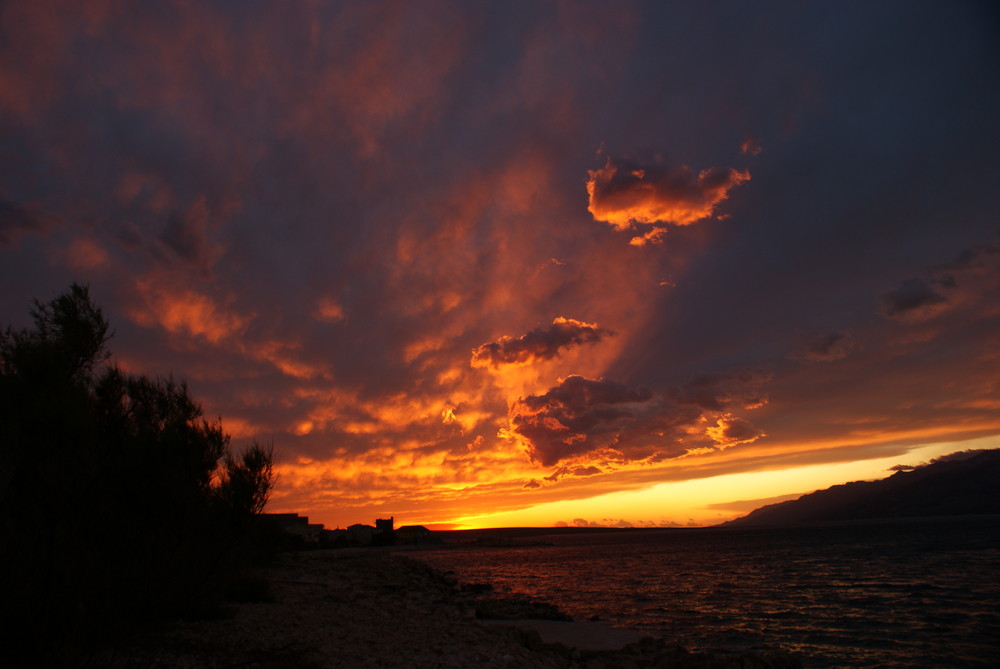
(895, 594)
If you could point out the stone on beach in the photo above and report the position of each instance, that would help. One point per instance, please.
(577, 635)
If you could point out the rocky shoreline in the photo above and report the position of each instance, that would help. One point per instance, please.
(373, 608)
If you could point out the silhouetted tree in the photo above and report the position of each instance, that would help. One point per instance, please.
(246, 480)
(108, 510)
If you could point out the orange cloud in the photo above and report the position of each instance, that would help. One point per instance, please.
(328, 310)
(85, 253)
(624, 192)
(186, 312)
(280, 355)
(730, 431)
(751, 146)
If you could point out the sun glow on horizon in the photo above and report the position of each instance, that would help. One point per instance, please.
(700, 502)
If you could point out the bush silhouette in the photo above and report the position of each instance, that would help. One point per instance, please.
(114, 508)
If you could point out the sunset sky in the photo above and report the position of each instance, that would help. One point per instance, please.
(526, 263)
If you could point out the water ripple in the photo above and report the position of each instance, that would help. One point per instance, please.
(891, 595)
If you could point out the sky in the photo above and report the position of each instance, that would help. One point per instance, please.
(473, 264)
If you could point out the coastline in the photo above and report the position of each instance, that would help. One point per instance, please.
(377, 608)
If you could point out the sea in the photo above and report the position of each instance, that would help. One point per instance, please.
(910, 593)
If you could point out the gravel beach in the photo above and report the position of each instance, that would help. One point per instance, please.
(372, 608)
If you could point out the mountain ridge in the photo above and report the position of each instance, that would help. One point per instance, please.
(949, 487)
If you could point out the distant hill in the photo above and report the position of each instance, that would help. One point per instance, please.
(949, 487)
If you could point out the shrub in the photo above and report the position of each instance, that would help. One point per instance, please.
(114, 508)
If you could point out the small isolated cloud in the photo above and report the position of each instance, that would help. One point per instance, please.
(328, 310)
(532, 483)
(625, 192)
(539, 344)
(581, 415)
(822, 346)
(914, 300)
(751, 147)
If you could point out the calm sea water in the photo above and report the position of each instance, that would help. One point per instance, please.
(895, 594)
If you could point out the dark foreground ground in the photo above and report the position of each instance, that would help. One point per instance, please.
(370, 608)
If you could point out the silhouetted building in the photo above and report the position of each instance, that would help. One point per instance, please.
(360, 535)
(415, 534)
(336, 538)
(297, 525)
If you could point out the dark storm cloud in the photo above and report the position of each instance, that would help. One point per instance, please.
(186, 236)
(822, 346)
(958, 455)
(16, 220)
(950, 457)
(720, 392)
(913, 300)
(948, 285)
(538, 344)
(967, 268)
(584, 415)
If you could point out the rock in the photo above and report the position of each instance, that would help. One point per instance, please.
(476, 588)
(517, 609)
(579, 636)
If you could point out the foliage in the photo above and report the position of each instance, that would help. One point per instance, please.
(113, 505)
(247, 480)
